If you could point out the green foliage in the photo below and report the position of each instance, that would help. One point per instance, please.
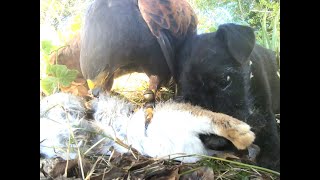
(262, 15)
(247, 12)
(65, 16)
(49, 85)
(64, 75)
(270, 41)
(58, 75)
(265, 39)
(275, 36)
(47, 46)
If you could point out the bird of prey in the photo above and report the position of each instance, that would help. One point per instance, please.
(124, 36)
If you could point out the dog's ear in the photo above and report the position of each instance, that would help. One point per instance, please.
(240, 40)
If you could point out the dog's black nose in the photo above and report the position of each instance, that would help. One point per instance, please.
(217, 143)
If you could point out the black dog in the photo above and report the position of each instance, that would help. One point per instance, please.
(226, 71)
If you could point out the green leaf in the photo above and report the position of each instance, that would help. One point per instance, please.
(68, 77)
(46, 46)
(64, 75)
(49, 84)
(212, 29)
(51, 70)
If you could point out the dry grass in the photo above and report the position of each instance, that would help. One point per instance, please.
(126, 166)
(132, 87)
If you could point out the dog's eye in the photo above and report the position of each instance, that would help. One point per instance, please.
(226, 82)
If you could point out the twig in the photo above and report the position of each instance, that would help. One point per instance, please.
(94, 145)
(241, 164)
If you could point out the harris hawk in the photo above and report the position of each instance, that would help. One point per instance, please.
(124, 36)
(133, 35)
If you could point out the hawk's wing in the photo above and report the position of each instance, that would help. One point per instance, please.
(177, 16)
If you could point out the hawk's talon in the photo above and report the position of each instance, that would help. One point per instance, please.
(149, 96)
(148, 113)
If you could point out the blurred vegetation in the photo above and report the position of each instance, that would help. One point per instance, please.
(60, 20)
(56, 75)
(262, 15)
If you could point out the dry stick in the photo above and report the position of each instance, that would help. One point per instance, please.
(57, 50)
(94, 145)
(111, 155)
(221, 175)
(68, 151)
(118, 141)
(43, 114)
(81, 166)
(92, 169)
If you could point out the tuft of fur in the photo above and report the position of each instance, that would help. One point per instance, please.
(61, 117)
(111, 115)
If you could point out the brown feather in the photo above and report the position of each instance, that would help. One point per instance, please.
(177, 16)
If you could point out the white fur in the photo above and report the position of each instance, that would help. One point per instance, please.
(59, 114)
(170, 132)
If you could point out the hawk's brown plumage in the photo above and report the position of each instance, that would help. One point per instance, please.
(177, 16)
